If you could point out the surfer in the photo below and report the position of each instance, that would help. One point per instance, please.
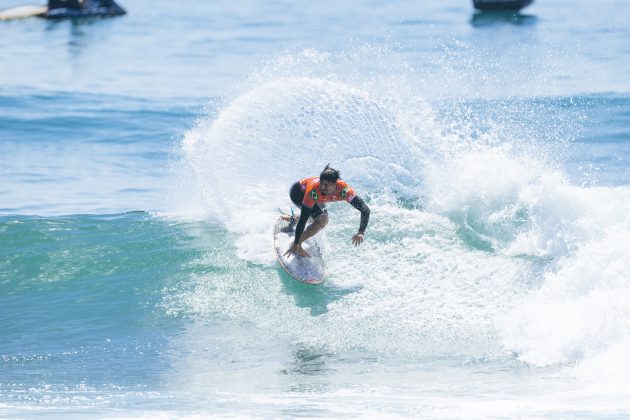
(311, 194)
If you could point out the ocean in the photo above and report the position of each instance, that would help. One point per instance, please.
(143, 160)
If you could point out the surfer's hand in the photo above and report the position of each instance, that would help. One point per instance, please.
(297, 249)
(357, 239)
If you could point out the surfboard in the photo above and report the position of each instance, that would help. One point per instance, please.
(21, 12)
(309, 270)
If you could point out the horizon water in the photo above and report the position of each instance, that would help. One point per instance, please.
(143, 160)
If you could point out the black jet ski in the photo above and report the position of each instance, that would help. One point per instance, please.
(58, 9)
(501, 4)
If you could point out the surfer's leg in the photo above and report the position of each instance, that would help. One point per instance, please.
(318, 224)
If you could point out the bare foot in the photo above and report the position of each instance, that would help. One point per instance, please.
(297, 250)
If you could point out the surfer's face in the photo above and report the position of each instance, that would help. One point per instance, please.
(327, 187)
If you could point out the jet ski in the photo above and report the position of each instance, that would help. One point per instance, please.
(501, 4)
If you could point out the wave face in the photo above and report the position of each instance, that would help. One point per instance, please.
(82, 320)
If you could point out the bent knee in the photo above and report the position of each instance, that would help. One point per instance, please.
(321, 220)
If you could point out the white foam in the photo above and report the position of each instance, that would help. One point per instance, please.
(246, 159)
(581, 310)
(494, 251)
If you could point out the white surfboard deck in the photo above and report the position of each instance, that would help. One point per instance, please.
(309, 270)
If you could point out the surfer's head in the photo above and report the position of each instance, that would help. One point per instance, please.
(328, 180)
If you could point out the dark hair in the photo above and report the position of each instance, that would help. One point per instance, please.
(329, 174)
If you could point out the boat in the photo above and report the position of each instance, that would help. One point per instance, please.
(501, 4)
(59, 9)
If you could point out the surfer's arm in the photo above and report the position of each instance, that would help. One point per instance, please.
(360, 205)
(305, 213)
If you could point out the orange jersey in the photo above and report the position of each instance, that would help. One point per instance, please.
(313, 195)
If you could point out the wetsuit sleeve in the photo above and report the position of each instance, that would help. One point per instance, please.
(360, 205)
(305, 213)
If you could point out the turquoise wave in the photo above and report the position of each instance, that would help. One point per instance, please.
(83, 296)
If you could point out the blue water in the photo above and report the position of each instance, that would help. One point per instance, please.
(142, 160)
